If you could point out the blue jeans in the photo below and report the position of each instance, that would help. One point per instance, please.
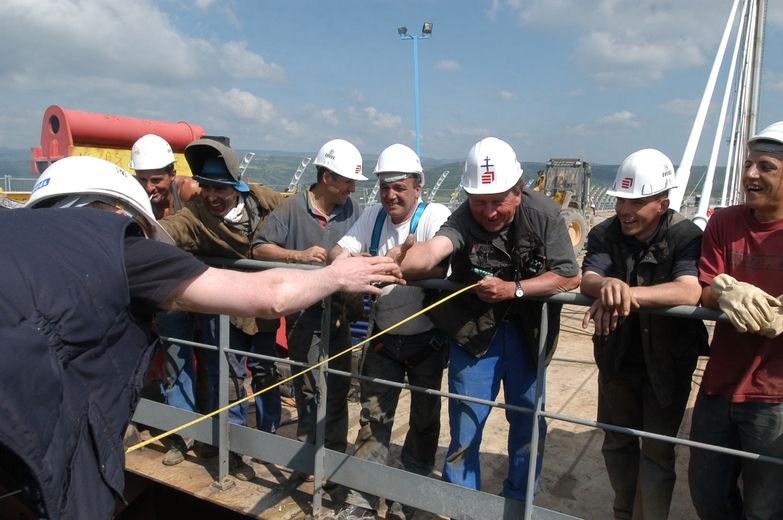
(507, 360)
(753, 427)
(268, 405)
(180, 370)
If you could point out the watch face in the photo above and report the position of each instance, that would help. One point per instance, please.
(519, 292)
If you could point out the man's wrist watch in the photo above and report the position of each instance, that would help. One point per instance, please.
(518, 292)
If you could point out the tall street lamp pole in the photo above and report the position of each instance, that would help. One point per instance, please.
(426, 33)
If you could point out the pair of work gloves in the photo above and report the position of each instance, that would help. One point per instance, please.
(748, 308)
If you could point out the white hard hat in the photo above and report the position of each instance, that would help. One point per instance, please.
(491, 167)
(151, 152)
(90, 178)
(342, 158)
(774, 133)
(398, 162)
(643, 173)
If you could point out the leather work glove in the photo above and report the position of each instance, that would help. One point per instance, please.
(775, 327)
(748, 308)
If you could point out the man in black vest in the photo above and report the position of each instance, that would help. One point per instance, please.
(514, 242)
(645, 256)
(77, 295)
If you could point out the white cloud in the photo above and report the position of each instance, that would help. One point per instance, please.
(382, 120)
(467, 131)
(238, 62)
(448, 65)
(679, 106)
(131, 42)
(205, 4)
(773, 81)
(629, 43)
(622, 120)
(290, 127)
(329, 115)
(575, 93)
(357, 95)
(236, 103)
(506, 95)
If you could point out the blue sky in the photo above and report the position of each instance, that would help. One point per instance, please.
(591, 78)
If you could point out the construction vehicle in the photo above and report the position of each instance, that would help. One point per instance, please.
(567, 182)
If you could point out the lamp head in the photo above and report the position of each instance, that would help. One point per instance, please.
(426, 28)
(402, 31)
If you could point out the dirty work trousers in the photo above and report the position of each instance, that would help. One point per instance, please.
(509, 362)
(713, 477)
(641, 470)
(180, 369)
(304, 341)
(268, 405)
(390, 357)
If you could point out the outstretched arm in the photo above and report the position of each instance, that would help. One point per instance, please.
(279, 292)
(421, 259)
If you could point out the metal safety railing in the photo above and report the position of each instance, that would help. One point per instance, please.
(395, 484)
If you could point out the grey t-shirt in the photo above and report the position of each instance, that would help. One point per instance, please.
(294, 225)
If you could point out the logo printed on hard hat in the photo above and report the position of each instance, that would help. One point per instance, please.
(487, 176)
(626, 183)
(42, 183)
(358, 169)
(330, 154)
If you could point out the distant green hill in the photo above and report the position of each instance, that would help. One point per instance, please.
(276, 169)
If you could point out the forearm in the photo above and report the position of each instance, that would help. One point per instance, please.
(274, 253)
(683, 291)
(549, 283)
(591, 284)
(423, 259)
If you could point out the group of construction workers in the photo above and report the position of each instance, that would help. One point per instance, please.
(506, 241)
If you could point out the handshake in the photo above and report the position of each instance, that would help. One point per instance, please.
(748, 308)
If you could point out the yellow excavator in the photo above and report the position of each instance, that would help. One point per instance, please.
(567, 182)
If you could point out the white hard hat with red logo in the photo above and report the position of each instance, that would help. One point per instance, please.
(151, 152)
(341, 157)
(77, 181)
(643, 173)
(491, 167)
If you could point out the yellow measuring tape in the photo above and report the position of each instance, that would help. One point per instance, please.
(294, 376)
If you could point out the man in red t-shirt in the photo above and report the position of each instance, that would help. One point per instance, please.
(740, 404)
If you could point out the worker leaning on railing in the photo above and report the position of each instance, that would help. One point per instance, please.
(515, 243)
(740, 403)
(76, 299)
(646, 255)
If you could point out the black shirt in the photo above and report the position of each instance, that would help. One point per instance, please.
(154, 270)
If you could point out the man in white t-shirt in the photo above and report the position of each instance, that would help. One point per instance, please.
(414, 348)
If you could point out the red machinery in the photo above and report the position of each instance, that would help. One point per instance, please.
(66, 132)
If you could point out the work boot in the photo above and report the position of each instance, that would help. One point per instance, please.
(239, 468)
(352, 512)
(397, 511)
(176, 454)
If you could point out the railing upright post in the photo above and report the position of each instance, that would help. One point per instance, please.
(322, 393)
(534, 437)
(223, 442)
